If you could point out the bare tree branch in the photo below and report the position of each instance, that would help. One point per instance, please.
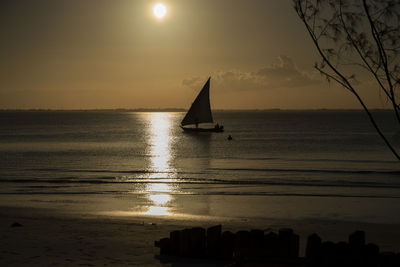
(343, 29)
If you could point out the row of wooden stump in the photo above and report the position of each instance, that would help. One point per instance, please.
(281, 249)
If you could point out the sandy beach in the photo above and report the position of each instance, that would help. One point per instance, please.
(51, 238)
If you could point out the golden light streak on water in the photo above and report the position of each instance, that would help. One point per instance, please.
(160, 199)
(157, 211)
(159, 142)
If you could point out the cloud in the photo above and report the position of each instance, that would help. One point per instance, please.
(286, 74)
(283, 74)
(191, 81)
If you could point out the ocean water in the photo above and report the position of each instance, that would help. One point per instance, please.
(280, 164)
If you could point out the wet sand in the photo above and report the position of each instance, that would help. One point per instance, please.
(48, 237)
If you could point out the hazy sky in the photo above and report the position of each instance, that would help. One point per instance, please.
(78, 54)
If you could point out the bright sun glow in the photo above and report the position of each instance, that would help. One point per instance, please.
(159, 10)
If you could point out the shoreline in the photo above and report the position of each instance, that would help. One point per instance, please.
(50, 237)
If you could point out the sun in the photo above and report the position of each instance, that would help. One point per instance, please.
(160, 10)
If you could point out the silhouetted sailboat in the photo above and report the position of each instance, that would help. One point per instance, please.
(200, 112)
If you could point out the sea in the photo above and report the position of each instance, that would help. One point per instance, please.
(321, 164)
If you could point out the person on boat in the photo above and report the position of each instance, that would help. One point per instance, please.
(218, 127)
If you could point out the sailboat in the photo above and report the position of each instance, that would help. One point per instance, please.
(200, 112)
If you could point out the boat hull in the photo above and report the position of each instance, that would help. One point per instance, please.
(201, 130)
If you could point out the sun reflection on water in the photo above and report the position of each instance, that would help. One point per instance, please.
(160, 199)
(157, 210)
(159, 143)
(159, 187)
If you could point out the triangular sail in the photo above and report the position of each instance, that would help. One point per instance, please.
(200, 111)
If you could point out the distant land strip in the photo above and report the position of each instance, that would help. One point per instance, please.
(174, 110)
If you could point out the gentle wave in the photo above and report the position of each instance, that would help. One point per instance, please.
(390, 172)
(266, 170)
(394, 162)
(109, 171)
(273, 182)
(264, 194)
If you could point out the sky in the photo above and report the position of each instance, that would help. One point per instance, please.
(103, 54)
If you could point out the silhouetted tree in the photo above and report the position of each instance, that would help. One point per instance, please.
(357, 33)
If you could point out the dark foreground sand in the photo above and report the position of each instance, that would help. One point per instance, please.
(49, 238)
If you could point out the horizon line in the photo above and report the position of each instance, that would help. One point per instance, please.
(183, 110)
